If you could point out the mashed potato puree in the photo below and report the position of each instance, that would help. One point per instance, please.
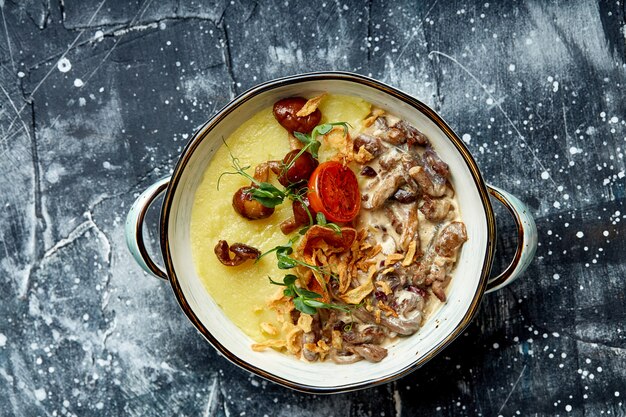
(243, 291)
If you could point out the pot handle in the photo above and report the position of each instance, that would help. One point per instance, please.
(134, 228)
(526, 239)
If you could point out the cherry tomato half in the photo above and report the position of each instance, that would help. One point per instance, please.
(334, 191)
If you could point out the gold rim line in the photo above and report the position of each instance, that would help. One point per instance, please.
(199, 136)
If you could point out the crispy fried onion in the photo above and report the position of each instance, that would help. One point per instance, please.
(325, 238)
(310, 106)
(347, 256)
(240, 253)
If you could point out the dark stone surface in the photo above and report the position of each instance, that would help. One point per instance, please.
(535, 88)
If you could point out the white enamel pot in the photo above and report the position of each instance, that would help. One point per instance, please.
(471, 278)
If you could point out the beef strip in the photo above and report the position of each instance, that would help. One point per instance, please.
(370, 352)
(360, 334)
(371, 144)
(393, 172)
(435, 209)
(405, 215)
(450, 239)
(344, 357)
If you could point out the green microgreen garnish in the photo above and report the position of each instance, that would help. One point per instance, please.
(266, 193)
(305, 301)
(321, 220)
(281, 250)
(263, 192)
(287, 262)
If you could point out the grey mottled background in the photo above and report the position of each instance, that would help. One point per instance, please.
(97, 99)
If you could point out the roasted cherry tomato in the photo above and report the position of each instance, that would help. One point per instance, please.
(334, 191)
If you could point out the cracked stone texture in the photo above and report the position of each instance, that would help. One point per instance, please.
(535, 89)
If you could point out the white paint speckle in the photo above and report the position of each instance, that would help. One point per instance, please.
(3, 340)
(496, 345)
(489, 101)
(614, 119)
(64, 65)
(54, 172)
(545, 175)
(82, 102)
(555, 86)
(617, 393)
(556, 276)
(100, 405)
(512, 67)
(568, 408)
(40, 394)
(78, 82)
(579, 235)
(467, 138)
(99, 35)
(21, 74)
(574, 150)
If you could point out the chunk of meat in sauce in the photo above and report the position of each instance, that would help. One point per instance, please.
(413, 136)
(371, 144)
(398, 132)
(364, 334)
(432, 177)
(405, 195)
(435, 209)
(450, 239)
(369, 352)
(392, 174)
(344, 357)
(404, 218)
(434, 269)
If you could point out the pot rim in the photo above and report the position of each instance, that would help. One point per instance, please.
(202, 132)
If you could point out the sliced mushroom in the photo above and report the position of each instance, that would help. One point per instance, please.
(240, 253)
